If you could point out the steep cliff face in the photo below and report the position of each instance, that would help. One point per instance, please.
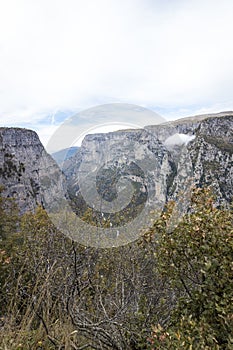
(27, 172)
(207, 159)
(119, 172)
(212, 156)
(161, 162)
(122, 171)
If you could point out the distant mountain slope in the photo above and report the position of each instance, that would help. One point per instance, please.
(187, 125)
(64, 154)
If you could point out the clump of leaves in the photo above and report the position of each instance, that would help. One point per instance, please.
(197, 260)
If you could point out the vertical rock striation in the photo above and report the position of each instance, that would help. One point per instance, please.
(27, 172)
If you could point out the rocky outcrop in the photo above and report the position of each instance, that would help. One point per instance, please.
(162, 162)
(212, 156)
(121, 172)
(27, 172)
(208, 159)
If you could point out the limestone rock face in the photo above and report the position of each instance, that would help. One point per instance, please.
(208, 157)
(162, 161)
(27, 172)
(123, 171)
(212, 156)
(111, 170)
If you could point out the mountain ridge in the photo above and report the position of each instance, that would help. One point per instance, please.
(32, 177)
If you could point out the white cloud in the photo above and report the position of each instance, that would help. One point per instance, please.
(72, 54)
(178, 139)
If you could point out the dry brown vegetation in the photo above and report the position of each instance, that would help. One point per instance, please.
(166, 291)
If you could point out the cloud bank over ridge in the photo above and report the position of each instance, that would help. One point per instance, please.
(55, 56)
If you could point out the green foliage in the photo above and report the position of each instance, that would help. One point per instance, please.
(166, 291)
(9, 241)
(9, 217)
(197, 260)
(64, 293)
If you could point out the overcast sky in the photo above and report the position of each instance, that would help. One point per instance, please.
(58, 57)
